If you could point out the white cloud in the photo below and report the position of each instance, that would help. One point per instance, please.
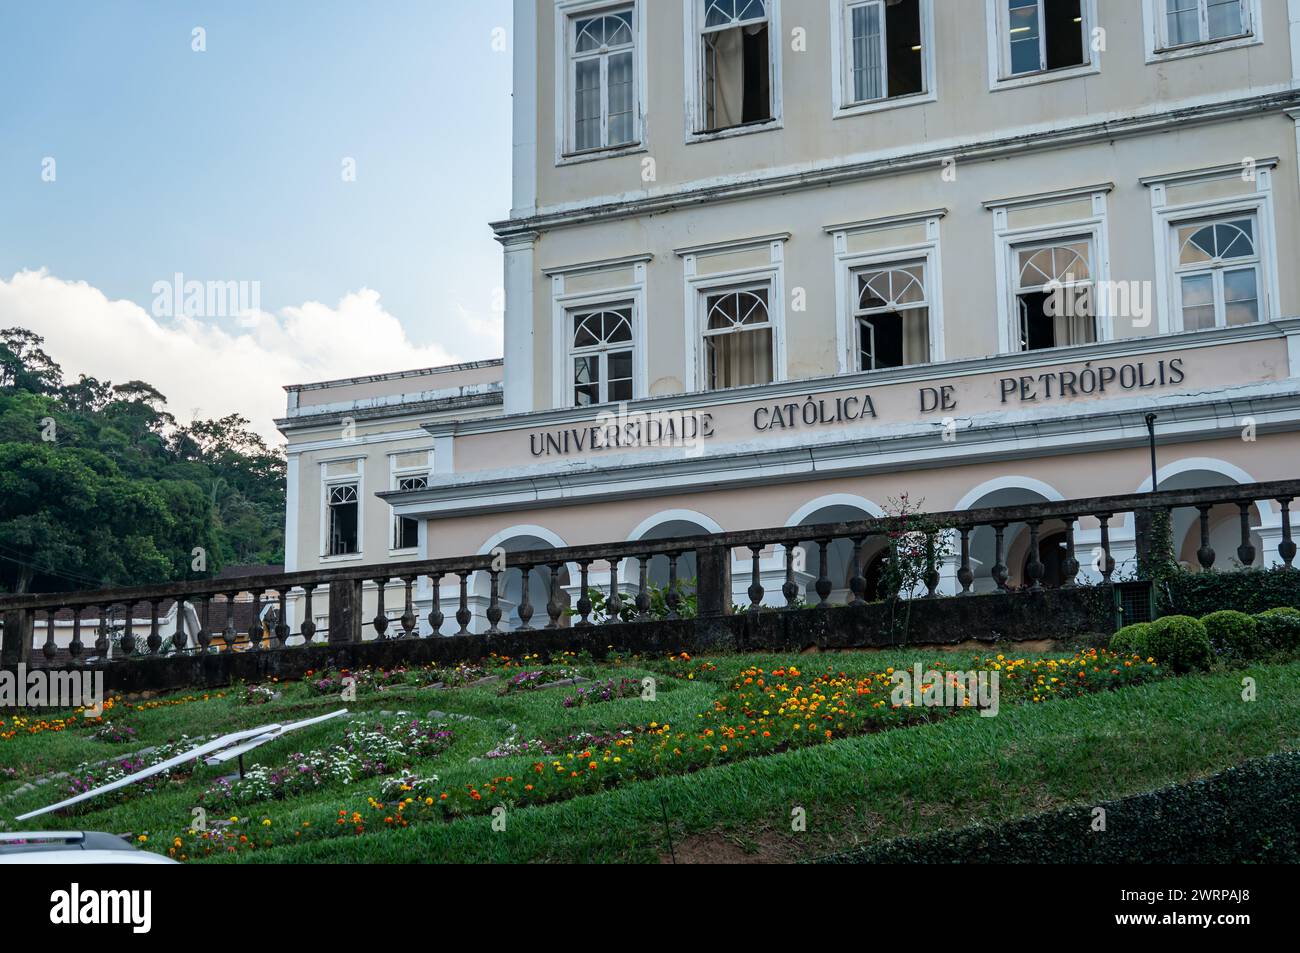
(204, 366)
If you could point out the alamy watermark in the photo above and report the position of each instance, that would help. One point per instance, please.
(180, 297)
(921, 688)
(52, 688)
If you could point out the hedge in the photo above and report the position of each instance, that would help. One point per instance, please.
(1181, 642)
(1248, 590)
(1234, 635)
(1247, 814)
(1279, 629)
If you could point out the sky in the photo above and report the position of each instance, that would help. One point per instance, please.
(332, 164)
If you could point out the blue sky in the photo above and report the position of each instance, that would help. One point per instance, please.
(226, 165)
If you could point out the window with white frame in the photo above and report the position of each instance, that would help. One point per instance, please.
(1053, 294)
(737, 337)
(885, 55)
(601, 350)
(1038, 36)
(1217, 271)
(891, 316)
(1189, 22)
(602, 80)
(343, 506)
(736, 47)
(406, 531)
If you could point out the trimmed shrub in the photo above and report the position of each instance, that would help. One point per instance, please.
(1131, 640)
(1244, 815)
(1233, 635)
(1247, 590)
(1180, 642)
(1279, 629)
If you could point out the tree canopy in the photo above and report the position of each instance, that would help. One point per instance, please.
(101, 486)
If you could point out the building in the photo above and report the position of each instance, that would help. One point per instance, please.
(780, 262)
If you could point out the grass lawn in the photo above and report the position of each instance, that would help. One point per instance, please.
(727, 796)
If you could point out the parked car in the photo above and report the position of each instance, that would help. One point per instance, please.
(72, 847)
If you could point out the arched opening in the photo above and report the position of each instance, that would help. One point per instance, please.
(1011, 491)
(1223, 522)
(840, 569)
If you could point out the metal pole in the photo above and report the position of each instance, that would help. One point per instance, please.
(1151, 436)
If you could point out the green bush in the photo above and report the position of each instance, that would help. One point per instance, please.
(1180, 642)
(1279, 629)
(1247, 590)
(1132, 639)
(1234, 635)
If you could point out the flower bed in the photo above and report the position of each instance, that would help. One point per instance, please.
(607, 691)
(530, 681)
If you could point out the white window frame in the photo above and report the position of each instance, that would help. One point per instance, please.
(849, 264)
(843, 104)
(999, 49)
(567, 12)
(601, 352)
(1166, 217)
(1156, 35)
(693, 12)
(329, 482)
(700, 286)
(1007, 240)
(565, 303)
(396, 475)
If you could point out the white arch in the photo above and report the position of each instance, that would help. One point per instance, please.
(834, 499)
(706, 523)
(1045, 490)
(540, 532)
(1210, 465)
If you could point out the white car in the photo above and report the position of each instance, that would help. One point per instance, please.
(72, 847)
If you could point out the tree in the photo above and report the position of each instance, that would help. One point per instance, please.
(24, 365)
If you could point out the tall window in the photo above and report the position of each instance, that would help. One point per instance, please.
(344, 503)
(892, 317)
(406, 531)
(601, 350)
(1041, 35)
(738, 338)
(602, 78)
(885, 55)
(1218, 272)
(736, 58)
(1054, 300)
(1204, 21)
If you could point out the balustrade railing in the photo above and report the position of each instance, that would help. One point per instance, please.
(626, 595)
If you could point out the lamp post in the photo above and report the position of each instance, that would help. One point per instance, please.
(1151, 438)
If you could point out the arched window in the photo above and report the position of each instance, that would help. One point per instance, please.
(892, 316)
(601, 348)
(738, 338)
(1054, 294)
(1218, 272)
(602, 75)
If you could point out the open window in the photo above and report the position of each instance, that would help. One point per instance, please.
(885, 54)
(601, 355)
(738, 337)
(344, 505)
(736, 48)
(1043, 35)
(602, 68)
(1054, 294)
(892, 316)
(406, 531)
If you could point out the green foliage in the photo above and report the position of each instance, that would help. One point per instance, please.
(1180, 642)
(1246, 590)
(1233, 635)
(1279, 629)
(1131, 640)
(99, 485)
(1157, 562)
(687, 608)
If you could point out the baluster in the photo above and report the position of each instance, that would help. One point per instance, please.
(1000, 572)
(1107, 561)
(463, 615)
(1035, 569)
(584, 598)
(205, 624)
(409, 618)
(1070, 567)
(965, 574)
(526, 600)
(755, 584)
(790, 589)
(615, 601)
(494, 602)
(1246, 551)
(931, 577)
(380, 622)
(50, 648)
(155, 637)
(436, 617)
(76, 647)
(1287, 548)
(282, 631)
(255, 627)
(101, 637)
(1205, 555)
(179, 638)
(554, 604)
(673, 598)
(128, 633)
(231, 633)
(643, 590)
(309, 621)
(824, 573)
(857, 583)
